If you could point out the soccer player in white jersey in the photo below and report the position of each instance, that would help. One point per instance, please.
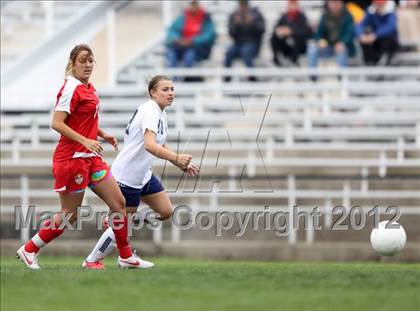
(144, 140)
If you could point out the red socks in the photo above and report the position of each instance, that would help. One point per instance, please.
(43, 237)
(30, 247)
(47, 234)
(121, 237)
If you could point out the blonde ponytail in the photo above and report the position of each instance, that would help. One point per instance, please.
(69, 69)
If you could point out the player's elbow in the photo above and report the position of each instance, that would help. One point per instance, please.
(56, 125)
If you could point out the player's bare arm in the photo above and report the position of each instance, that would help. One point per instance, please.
(191, 170)
(151, 146)
(59, 125)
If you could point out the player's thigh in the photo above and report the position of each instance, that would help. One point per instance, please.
(160, 203)
(110, 193)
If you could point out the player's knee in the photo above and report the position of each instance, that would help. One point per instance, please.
(73, 218)
(165, 213)
(119, 204)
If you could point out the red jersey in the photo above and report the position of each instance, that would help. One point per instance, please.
(82, 105)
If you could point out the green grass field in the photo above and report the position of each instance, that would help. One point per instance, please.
(179, 284)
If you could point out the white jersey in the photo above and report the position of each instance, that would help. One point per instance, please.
(133, 165)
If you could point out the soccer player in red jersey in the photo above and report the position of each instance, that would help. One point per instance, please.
(77, 160)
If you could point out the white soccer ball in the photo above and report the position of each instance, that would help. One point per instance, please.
(388, 241)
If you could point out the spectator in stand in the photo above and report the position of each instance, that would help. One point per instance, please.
(246, 27)
(334, 36)
(290, 34)
(191, 37)
(378, 34)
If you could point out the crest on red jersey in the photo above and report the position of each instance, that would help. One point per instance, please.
(78, 179)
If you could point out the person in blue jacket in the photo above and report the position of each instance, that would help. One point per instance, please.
(378, 33)
(191, 37)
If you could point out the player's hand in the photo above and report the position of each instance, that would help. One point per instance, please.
(192, 170)
(183, 160)
(112, 140)
(93, 145)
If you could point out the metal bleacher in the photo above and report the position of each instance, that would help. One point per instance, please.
(351, 138)
(26, 23)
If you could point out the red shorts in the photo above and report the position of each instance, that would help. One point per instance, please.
(75, 174)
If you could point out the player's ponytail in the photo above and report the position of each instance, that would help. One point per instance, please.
(73, 55)
(69, 69)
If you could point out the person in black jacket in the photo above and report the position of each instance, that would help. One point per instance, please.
(246, 27)
(290, 34)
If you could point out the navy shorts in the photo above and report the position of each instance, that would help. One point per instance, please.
(133, 195)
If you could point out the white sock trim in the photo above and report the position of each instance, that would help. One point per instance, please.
(103, 247)
(37, 241)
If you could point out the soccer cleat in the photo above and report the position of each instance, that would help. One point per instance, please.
(96, 265)
(134, 262)
(29, 259)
